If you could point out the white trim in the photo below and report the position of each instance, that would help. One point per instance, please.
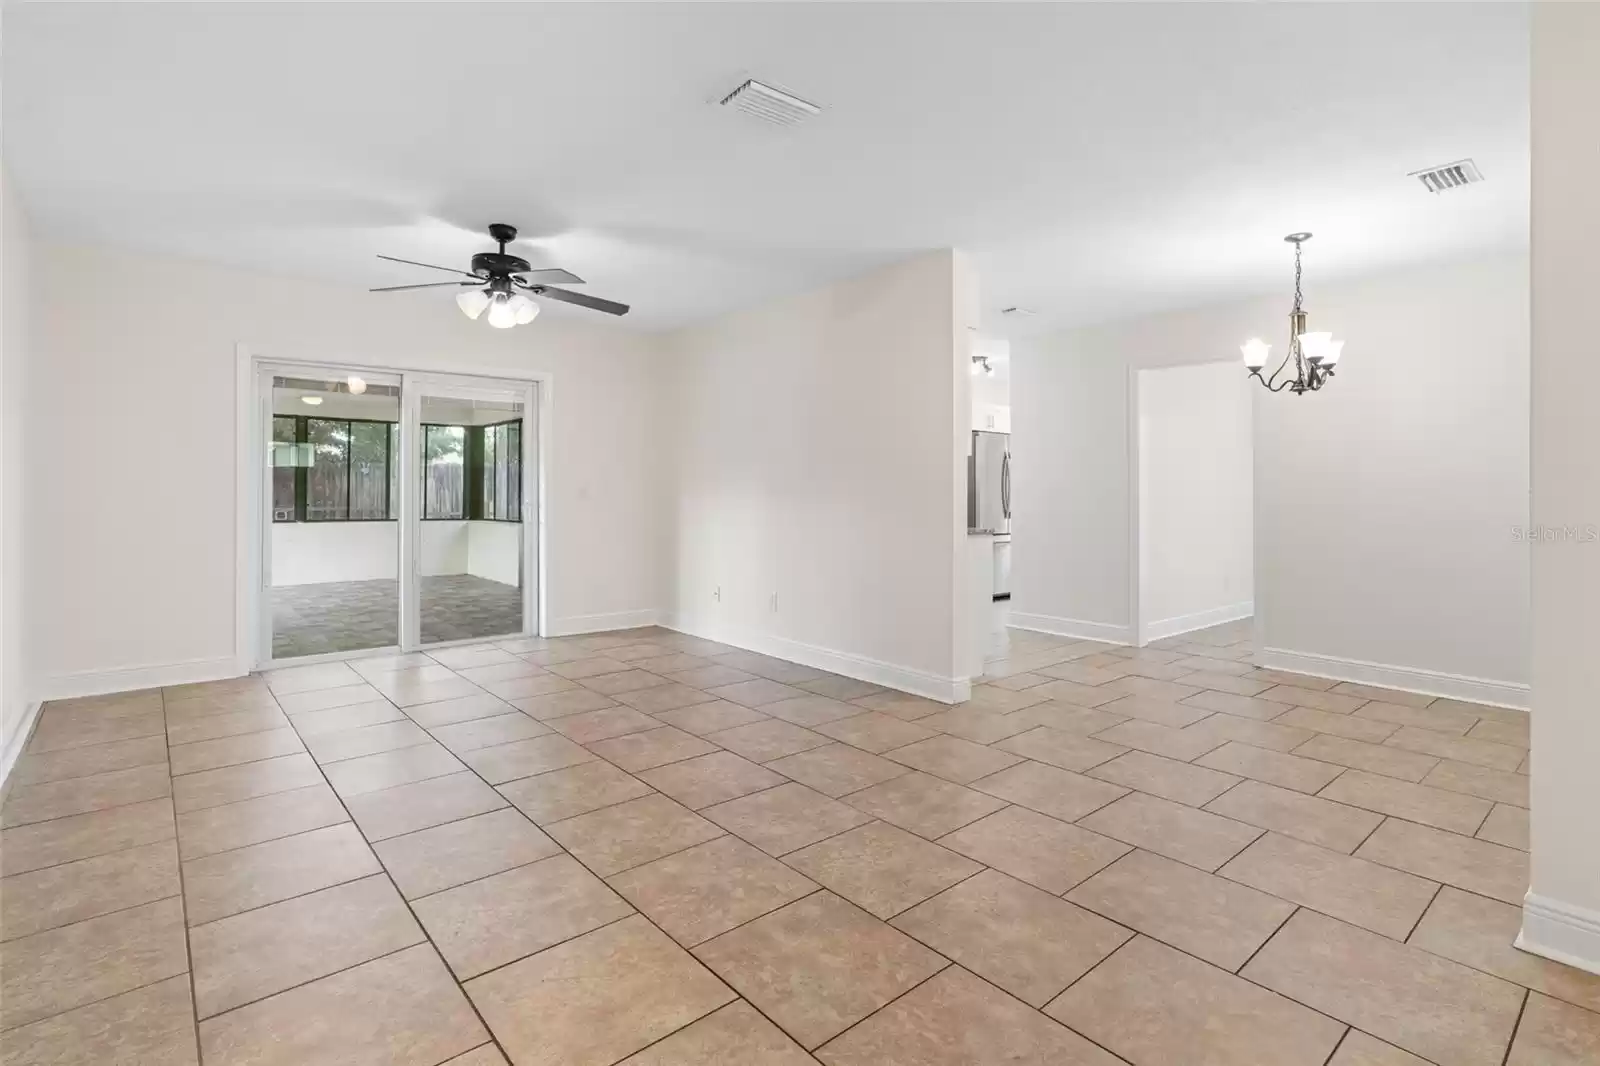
(576, 624)
(1135, 628)
(872, 671)
(1072, 627)
(133, 678)
(1561, 931)
(1511, 694)
(19, 740)
(1188, 623)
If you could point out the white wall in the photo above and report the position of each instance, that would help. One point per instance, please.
(821, 442)
(494, 551)
(1195, 515)
(141, 596)
(16, 341)
(309, 553)
(1561, 916)
(1384, 503)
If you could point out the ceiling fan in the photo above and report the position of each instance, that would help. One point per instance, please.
(499, 284)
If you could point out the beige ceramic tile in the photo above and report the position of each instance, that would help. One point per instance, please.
(1180, 744)
(1415, 1000)
(91, 759)
(1475, 865)
(956, 1019)
(1177, 781)
(230, 751)
(1367, 894)
(1269, 735)
(1134, 685)
(1059, 793)
(976, 724)
(1286, 677)
(462, 737)
(839, 688)
(1221, 682)
(882, 869)
(658, 699)
(572, 700)
(26, 804)
(603, 724)
(567, 793)
(1514, 733)
(233, 881)
(524, 758)
(736, 1035)
(623, 681)
(1417, 803)
(594, 666)
(1296, 696)
(874, 731)
(1208, 916)
(713, 778)
(262, 952)
(365, 740)
(710, 888)
(1082, 721)
(1273, 767)
(1193, 836)
(766, 740)
(83, 836)
(818, 965)
(1359, 1049)
(780, 820)
(1032, 847)
(1027, 941)
(902, 705)
(1375, 758)
(1240, 706)
(487, 923)
(810, 710)
(711, 716)
(1479, 933)
(417, 806)
(150, 1026)
(252, 821)
(1506, 825)
(654, 747)
(230, 784)
(212, 726)
(483, 1055)
(1388, 695)
(373, 773)
(1159, 711)
(310, 678)
(60, 895)
(55, 971)
(1348, 726)
(1154, 1006)
(924, 804)
(1309, 818)
(1497, 785)
(1552, 1033)
(323, 699)
(339, 719)
(756, 693)
(431, 860)
(1068, 751)
(597, 998)
(59, 732)
(398, 1010)
(837, 769)
(712, 675)
(1439, 719)
(1459, 749)
(629, 834)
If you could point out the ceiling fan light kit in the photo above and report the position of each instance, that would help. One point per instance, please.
(501, 284)
(1314, 354)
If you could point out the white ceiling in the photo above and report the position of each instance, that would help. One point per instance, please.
(1097, 160)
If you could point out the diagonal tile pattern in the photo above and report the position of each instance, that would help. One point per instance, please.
(648, 848)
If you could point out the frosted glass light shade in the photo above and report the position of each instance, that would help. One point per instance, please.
(525, 308)
(1331, 355)
(1314, 346)
(1255, 352)
(472, 302)
(501, 314)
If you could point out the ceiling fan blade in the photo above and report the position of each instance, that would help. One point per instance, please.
(427, 285)
(430, 266)
(610, 307)
(548, 275)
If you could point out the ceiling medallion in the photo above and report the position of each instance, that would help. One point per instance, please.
(1314, 354)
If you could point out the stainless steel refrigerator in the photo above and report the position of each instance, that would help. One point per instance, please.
(989, 482)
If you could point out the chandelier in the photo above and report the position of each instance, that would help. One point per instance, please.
(1314, 354)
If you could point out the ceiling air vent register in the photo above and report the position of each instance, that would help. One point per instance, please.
(770, 104)
(1450, 176)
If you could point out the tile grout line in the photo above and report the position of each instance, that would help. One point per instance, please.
(183, 899)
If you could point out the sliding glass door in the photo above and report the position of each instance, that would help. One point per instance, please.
(398, 511)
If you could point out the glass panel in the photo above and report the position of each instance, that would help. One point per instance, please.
(514, 471)
(328, 481)
(369, 473)
(444, 472)
(394, 471)
(486, 435)
(283, 468)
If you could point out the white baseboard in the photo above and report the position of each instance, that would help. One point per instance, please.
(132, 678)
(1188, 623)
(1408, 679)
(574, 624)
(872, 671)
(1560, 931)
(1071, 627)
(18, 741)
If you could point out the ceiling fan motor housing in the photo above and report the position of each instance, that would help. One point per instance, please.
(497, 264)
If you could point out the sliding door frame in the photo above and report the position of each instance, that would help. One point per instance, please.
(252, 639)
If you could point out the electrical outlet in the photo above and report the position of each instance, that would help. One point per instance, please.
(717, 595)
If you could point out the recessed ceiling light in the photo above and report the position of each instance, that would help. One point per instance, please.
(312, 400)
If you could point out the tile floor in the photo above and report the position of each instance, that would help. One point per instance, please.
(336, 616)
(651, 849)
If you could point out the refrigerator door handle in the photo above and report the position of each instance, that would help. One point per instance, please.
(1005, 485)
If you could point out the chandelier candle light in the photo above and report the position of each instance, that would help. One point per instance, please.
(1314, 354)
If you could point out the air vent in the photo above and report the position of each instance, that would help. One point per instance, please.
(1450, 176)
(769, 104)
